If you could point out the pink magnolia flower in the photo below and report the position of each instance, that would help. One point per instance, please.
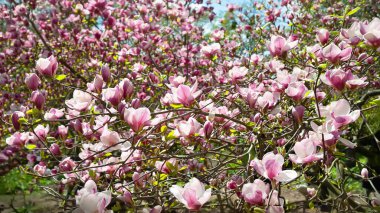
(41, 131)
(334, 54)
(127, 87)
(32, 81)
(175, 81)
(113, 95)
(193, 195)
(339, 79)
(211, 50)
(339, 112)
(47, 66)
(271, 167)
(162, 166)
(268, 100)
(38, 98)
(53, 114)
(185, 95)
(352, 35)
(188, 128)
(255, 193)
(67, 165)
(278, 45)
(305, 152)
(17, 139)
(137, 118)
(323, 36)
(109, 137)
(80, 101)
(371, 32)
(237, 74)
(296, 90)
(40, 168)
(298, 113)
(92, 201)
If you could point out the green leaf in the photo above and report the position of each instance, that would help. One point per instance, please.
(22, 120)
(32, 112)
(171, 135)
(353, 11)
(176, 106)
(60, 77)
(30, 146)
(170, 166)
(163, 176)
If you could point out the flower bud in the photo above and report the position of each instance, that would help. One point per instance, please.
(298, 113)
(135, 103)
(55, 150)
(364, 173)
(15, 117)
(208, 128)
(323, 36)
(38, 99)
(106, 74)
(32, 81)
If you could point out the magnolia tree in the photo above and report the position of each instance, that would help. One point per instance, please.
(139, 105)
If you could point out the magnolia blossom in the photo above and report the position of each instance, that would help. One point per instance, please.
(305, 152)
(323, 36)
(339, 112)
(255, 193)
(40, 168)
(109, 137)
(47, 66)
(80, 101)
(278, 45)
(163, 167)
(271, 167)
(339, 79)
(32, 81)
(92, 201)
(334, 54)
(237, 74)
(137, 118)
(53, 114)
(371, 32)
(113, 95)
(184, 94)
(193, 195)
(296, 90)
(211, 50)
(188, 128)
(352, 35)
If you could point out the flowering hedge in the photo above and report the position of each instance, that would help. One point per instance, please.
(138, 104)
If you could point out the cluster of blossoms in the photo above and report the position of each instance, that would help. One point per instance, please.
(134, 105)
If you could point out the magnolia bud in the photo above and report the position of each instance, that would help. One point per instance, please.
(257, 118)
(323, 36)
(232, 185)
(364, 173)
(15, 116)
(208, 128)
(32, 81)
(127, 197)
(55, 150)
(311, 192)
(298, 113)
(38, 99)
(135, 103)
(106, 74)
(98, 83)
